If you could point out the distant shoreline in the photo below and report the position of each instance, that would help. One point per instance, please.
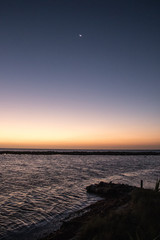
(81, 152)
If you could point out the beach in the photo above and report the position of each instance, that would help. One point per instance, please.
(120, 203)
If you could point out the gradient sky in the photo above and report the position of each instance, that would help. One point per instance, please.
(60, 90)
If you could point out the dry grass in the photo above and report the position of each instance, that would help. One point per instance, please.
(140, 221)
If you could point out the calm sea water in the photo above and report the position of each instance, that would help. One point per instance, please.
(37, 192)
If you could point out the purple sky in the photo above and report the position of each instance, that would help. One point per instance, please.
(58, 89)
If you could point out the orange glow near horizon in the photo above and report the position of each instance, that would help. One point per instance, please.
(80, 131)
(78, 136)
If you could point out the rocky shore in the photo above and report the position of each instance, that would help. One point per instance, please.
(116, 197)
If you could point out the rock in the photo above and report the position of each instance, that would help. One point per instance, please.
(109, 189)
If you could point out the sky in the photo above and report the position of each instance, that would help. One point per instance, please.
(80, 74)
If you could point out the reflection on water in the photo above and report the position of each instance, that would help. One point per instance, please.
(38, 192)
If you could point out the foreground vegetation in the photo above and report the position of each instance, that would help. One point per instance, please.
(125, 213)
(137, 220)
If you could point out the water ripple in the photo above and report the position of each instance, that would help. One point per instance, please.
(38, 192)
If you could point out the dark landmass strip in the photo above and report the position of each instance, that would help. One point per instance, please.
(126, 212)
(149, 152)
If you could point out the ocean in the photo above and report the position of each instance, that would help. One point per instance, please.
(39, 192)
